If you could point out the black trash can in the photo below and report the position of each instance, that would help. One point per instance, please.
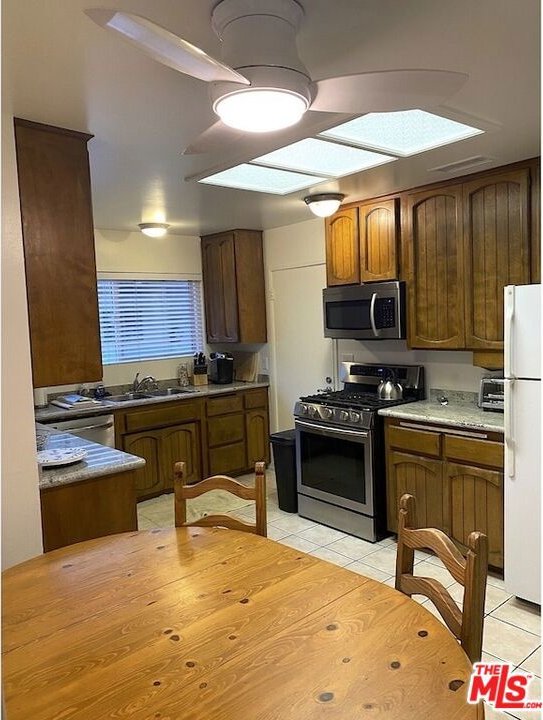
(284, 459)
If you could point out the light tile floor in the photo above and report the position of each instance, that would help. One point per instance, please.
(512, 627)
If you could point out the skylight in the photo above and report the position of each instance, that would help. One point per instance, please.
(401, 133)
(262, 179)
(322, 157)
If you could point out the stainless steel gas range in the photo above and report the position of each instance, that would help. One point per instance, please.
(340, 460)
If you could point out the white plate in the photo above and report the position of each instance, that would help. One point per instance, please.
(61, 456)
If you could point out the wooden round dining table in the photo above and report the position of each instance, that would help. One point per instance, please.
(215, 624)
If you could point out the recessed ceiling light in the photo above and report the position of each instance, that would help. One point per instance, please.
(401, 133)
(262, 179)
(322, 158)
(154, 229)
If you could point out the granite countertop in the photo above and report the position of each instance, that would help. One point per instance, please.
(100, 460)
(456, 413)
(52, 413)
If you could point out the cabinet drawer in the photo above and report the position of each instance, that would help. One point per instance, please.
(226, 429)
(224, 404)
(415, 441)
(170, 414)
(227, 459)
(475, 452)
(256, 399)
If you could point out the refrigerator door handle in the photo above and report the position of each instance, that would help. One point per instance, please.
(509, 385)
(509, 299)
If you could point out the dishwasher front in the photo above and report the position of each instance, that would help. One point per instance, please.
(99, 429)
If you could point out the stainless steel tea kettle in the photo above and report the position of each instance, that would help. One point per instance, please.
(390, 389)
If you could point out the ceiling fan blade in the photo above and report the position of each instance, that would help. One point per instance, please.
(165, 47)
(214, 138)
(386, 90)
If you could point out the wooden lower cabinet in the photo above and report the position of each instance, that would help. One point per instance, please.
(459, 491)
(219, 435)
(257, 432)
(89, 509)
(476, 503)
(162, 448)
(421, 477)
(181, 443)
(146, 445)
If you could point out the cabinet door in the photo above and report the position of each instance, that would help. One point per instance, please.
(422, 478)
(476, 503)
(180, 443)
(258, 441)
(433, 248)
(220, 293)
(149, 480)
(497, 252)
(58, 234)
(342, 248)
(378, 240)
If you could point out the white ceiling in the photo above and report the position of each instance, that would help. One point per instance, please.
(62, 69)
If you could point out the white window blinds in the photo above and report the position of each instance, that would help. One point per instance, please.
(144, 319)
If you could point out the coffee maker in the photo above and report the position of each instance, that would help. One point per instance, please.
(221, 368)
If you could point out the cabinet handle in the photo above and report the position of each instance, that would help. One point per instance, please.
(446, 431)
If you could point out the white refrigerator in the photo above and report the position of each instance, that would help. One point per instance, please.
(522, 478)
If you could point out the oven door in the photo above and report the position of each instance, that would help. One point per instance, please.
(335, 465)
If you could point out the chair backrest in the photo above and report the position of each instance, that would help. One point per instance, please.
(184, 492)
(470, 572)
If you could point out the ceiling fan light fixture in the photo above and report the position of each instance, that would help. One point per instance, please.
(260, 110)
(324, 204)
(154, 230)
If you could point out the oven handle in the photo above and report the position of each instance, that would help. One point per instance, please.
(372, 314)
(332, 431)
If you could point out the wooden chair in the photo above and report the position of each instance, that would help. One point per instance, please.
(470, 572)
(184, 492)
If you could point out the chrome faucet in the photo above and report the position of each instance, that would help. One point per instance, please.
(140, 384)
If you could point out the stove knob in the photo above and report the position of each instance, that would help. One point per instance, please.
(354, 416)
(303, 409)
(327, 413)
(344, 415)
(312, 411)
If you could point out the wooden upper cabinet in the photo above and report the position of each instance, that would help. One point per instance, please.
(433, 249)
(58, 240)
(220, 292)
(234, 291)
(379, 233)
(342, 248)
(497, 251)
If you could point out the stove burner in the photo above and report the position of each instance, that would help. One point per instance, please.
(351, 399)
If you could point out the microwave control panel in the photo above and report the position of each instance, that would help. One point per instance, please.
(385, 312)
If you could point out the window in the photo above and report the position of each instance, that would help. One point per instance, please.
(145, 319)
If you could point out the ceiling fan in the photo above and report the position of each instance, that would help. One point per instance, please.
(261, 85)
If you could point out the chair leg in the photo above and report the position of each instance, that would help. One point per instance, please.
(260, 498)
(180, 504)
(405, 556)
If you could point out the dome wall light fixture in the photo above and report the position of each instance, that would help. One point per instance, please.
(154, 230)
(324, 204)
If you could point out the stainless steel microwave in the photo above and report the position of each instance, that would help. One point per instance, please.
(374, 311)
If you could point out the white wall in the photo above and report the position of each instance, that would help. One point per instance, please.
(21, 519)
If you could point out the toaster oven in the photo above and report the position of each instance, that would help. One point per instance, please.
(491, 394)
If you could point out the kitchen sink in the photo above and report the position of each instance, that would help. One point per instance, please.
(125, 397)
(168, 391)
